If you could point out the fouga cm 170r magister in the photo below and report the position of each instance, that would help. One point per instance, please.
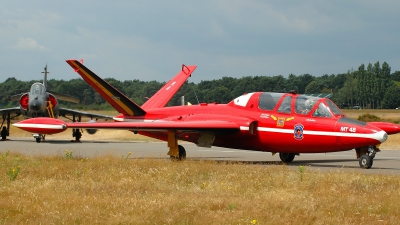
(284, 123)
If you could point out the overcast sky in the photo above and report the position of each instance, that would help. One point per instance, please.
(150, 40)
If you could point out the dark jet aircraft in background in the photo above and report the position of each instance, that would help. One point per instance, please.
(40, 102)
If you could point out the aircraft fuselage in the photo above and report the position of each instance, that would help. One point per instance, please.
(269, 130)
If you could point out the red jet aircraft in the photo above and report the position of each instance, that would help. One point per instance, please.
(284, 123)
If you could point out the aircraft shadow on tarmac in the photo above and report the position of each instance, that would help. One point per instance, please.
(324, 163)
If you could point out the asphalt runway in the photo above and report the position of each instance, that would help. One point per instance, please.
(385, 162)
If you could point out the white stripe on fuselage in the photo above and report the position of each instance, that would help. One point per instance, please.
(377, 136)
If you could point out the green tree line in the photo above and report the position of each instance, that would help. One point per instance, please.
(371, 86)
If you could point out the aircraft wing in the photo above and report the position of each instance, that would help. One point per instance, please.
(15, 110)
(16, 97)
(216, 126)
(64, 112)
(64, 97)
(46, 125)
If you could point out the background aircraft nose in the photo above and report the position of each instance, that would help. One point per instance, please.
(35, 105)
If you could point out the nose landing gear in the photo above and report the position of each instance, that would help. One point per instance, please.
(366, 156)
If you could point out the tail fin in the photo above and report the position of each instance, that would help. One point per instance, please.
(162, 97)
(45, 76)
(116, 99)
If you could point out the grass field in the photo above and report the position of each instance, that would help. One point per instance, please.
(114, 190)
(122, 190)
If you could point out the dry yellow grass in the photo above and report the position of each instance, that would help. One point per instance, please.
(113, 190)
(382, 113)
(110, 190)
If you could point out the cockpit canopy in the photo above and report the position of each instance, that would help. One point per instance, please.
(292, 103)
(37, 89)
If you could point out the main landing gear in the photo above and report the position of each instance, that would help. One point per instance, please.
(4, 134)
(176, 152)
(76, 133)
(39, 137)
(287, 157)
(5, 130)
(366, 156)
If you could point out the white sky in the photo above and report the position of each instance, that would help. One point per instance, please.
(150, 40)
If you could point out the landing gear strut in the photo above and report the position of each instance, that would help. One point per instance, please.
(176, 152)
(6, 129)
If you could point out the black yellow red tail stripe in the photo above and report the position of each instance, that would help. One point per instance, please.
(114, 97)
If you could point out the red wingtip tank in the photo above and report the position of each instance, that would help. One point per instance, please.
(389, 128)
(42, 125)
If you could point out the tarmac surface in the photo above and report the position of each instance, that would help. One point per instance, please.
(385, 162)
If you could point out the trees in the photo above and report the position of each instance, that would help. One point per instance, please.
(371, 86)
(391, 99)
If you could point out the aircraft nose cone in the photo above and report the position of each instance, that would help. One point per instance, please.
(35, 106)
(376, 133)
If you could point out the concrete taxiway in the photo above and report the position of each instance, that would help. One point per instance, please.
(385, 162)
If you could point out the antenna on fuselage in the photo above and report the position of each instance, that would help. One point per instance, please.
(45, 76)
(196, 96)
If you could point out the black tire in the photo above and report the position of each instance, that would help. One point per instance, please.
(287, 157)
(38, 140)
(365, 161)
(182, 152)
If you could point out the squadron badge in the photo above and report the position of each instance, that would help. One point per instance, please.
(298, 131)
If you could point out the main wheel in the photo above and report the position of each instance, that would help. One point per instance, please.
(182, 154)
(287, 157)
(38, 140)
(365, 161)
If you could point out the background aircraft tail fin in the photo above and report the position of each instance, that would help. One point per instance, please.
(113, 96)
(45, 76)
(162, 96)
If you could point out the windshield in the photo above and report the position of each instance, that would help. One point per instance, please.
(37, 89)
(304, 104)
(322, 111)
(335, 110)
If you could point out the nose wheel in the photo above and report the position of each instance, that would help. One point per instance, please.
(366, 160)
